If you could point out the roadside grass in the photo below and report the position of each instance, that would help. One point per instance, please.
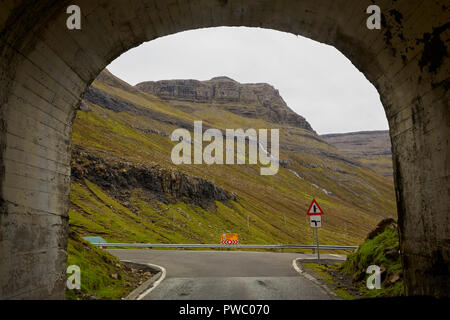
(103, 276)
(383, 251)
(323, 270)
(349, 279)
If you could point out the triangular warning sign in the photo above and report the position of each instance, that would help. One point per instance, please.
(314, 209)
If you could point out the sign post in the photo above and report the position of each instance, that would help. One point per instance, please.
(315, 218)
(317, 242)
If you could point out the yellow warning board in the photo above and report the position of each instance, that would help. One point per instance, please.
(229, 238)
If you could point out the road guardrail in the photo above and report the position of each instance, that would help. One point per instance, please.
(221, 246)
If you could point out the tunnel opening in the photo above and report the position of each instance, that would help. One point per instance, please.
(113, 182)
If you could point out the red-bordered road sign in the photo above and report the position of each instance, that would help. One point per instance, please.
(314, 209)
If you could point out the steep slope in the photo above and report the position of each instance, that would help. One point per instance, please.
(381, 248)
(126, 188)
(371, 148)
(258, 101)
(103, 276)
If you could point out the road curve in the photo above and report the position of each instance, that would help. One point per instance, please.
(223, 275)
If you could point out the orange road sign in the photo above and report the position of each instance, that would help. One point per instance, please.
(229, 238)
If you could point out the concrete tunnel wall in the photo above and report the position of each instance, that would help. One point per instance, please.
(45, 69)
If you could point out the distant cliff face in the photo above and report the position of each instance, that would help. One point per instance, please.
(363, 143)
(259, 100)
(370, 147)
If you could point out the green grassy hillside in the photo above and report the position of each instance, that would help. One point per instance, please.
(354, 197)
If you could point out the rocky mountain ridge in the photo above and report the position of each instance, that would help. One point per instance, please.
(252, 100)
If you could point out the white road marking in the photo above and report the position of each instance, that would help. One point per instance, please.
(312, 279)
(156, 283)
(294, 264)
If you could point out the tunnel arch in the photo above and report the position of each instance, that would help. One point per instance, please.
(45, 69)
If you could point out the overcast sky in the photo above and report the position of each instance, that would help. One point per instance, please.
(314, 79)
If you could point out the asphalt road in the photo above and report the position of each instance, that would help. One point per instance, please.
(223, 275)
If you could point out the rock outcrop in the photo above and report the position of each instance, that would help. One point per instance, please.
(258, 100)
(161, 183)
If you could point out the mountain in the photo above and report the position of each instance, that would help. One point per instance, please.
(126, 188)
(371, 148)
(258, 101)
